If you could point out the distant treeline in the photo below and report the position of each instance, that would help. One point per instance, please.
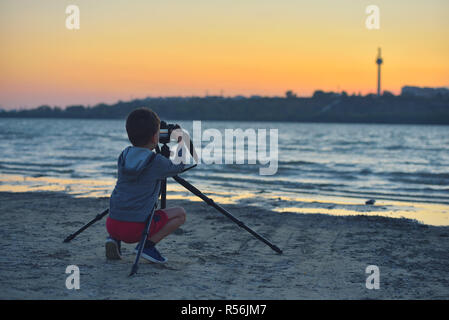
(321, 107)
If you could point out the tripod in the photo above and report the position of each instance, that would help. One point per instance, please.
(165, 151)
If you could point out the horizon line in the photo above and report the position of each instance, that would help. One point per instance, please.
(242, 96)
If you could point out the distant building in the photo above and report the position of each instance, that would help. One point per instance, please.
(323, 94)
(290, 94)
(239, 97)
(424, 91)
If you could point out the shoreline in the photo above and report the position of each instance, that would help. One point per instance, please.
(240, 121)
(401, 109)
(210, 257)
(431, 213)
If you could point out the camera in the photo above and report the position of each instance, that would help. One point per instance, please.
(166, 130)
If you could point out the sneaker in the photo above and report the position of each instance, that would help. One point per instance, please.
(151, 254)
(113, 250)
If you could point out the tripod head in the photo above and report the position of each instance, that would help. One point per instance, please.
(166, 136)
(166, 130)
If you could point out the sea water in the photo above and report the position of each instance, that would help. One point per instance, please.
(322, 168)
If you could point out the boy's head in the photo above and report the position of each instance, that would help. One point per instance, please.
(142, 126)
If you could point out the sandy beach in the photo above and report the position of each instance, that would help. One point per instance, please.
(324, 257)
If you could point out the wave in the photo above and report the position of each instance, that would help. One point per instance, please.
(365, 171)
(35, 170)
(353, 143)
(94, 158)
(427, 178)
(33, 164)
(237, 181)
(395, 193)
(421, 174)
(298, 162)
(368, 194)
(395, 147)
(110, 166)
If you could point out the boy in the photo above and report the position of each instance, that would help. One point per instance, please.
(140, 171)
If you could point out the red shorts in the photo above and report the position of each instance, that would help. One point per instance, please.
(131, 232)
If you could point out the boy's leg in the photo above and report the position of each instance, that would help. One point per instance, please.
(176, 217)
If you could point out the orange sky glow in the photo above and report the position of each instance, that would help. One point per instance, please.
(135, 49)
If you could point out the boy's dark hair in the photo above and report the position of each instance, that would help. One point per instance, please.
(141, 125)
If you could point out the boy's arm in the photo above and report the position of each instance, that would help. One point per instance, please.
(164, 168)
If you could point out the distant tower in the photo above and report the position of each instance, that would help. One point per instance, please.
(379, 62)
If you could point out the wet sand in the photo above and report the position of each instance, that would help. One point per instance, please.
(210, 257)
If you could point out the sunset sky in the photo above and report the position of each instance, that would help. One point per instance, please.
(134, 49)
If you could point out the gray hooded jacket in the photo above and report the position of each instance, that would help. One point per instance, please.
(138, 183)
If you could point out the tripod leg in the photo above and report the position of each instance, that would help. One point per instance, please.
(142, 244)
(211, 202)
(97, 218)
(164, 194)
